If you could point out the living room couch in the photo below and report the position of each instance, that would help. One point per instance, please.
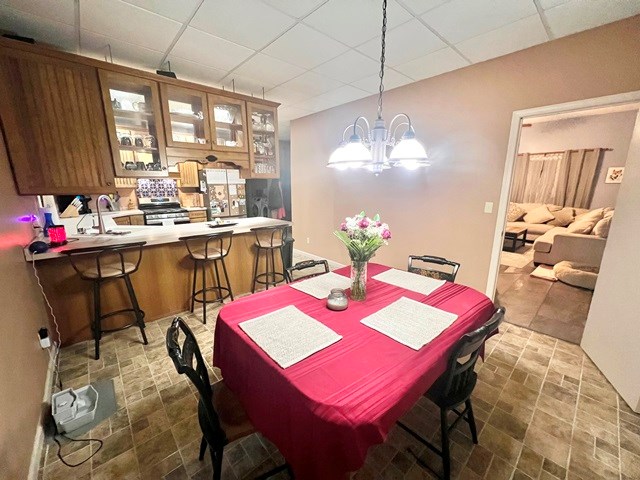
(563, 233)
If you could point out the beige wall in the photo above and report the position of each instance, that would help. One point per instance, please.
(612, 130)
(23, 364)
(612, 332)
(463, 118)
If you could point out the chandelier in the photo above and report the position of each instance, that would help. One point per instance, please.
(367, 147)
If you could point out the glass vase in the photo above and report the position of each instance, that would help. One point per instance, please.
(358, 281)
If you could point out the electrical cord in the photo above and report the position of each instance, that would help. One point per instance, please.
(73, 465)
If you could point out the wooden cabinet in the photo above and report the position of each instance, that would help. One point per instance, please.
(186, 118)
(122, 220)
(263, 134)
(134, 123)
(129, 220)
(228, 123)
(54, 125)
(189, 174)
(198, 216)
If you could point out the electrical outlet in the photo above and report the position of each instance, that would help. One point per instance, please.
(488, 207)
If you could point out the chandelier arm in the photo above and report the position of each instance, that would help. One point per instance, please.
(382, 58)
(355, 125)
(392, 136)
(349, 127)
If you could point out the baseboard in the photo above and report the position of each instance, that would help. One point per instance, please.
(38, 442)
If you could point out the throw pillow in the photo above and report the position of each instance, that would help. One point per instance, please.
(608, 212)
(563, 217)
(539, 215)
(602, 227)
(515, 212)
(593, 215)
(581, 226)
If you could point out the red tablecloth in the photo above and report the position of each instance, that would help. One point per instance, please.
(324, 412)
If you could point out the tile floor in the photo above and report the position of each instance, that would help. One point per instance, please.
(553, 308)
(543, 410)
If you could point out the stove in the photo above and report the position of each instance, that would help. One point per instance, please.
(163, 211)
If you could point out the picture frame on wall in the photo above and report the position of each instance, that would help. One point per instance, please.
(614, 175)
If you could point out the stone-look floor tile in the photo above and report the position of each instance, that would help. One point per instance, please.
(187, 431)
(507, 423)
(499, 469)
(517, 394)
(158, 456)
(144, 407)
(630, 465)
(114, 445)
(530, 462)
(58, 471)
(181, 409)
(629, 441)
(111, 371)
(552, 425)
(122, 467)
(149, 426)
(119, 420)
(190, 461)
(547, 445)
(603, 395)
(479, 460)
(598, 409)
(500, 444)
(596, 427)
(554, 469)
(587, 466)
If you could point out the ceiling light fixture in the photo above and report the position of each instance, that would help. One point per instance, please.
(369, 151)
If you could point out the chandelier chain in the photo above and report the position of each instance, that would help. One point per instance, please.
(384, 33)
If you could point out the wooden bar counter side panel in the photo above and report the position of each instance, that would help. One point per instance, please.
(162, 285)
(54, 125)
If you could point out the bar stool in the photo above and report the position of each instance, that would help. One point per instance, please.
(269, 240)
(209, 249)
(109, 263)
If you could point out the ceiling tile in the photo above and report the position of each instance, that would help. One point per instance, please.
(418, 7)
(95, 45)
(249, 23)
(311, 83)
(64, 11)
(348, 67)
(246, 85)
(179, 11)
(298, 8)
(460, 20)
(41, 29)
(392, 79)
(117, 19)
(404, 43)
(516, 36)
(196, 72)
(304, 47)
(210, 51)
(546, 4)
(355, 21)
(432, 64)
(273, 71)
(339, 96)
(286, 95)
(579, 15)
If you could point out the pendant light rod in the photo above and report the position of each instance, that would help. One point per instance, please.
(382, 51)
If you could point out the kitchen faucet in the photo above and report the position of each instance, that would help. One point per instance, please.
(101, 228)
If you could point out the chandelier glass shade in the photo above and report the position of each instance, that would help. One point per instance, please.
(370, 149)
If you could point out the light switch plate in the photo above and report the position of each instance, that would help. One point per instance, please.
(488, 207)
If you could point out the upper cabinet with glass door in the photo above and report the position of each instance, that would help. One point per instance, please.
(134, 122)
(185, 117)
(228, 124)
(263, 128)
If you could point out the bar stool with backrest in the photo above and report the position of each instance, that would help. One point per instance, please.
(268, 241)
(205, 250)
(454, 387)
(102, 264)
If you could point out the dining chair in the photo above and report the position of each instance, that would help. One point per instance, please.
(222, 419)
(305, 265)
(426, 269)
(454, 387)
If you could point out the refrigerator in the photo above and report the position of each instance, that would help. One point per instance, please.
(224, 193)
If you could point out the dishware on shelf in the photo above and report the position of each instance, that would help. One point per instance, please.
(138, 141)
(149, 141)
(139, 106)
(126, 141)
(115, 104)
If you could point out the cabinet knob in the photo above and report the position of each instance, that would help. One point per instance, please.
(108, 184)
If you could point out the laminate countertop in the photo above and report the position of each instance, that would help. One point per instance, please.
(152, 234)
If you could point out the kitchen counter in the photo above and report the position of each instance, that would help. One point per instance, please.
(162, 283)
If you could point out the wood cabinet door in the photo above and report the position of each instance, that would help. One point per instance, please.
(54, 125)
(263, 141)
(228, 124)
(186, 121)
(189, 174)
(134, 122)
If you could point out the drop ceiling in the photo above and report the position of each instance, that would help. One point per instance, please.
(309, 55)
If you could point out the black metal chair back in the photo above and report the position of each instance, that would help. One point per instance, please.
(270, 237)
(307, 264)
(431, 272)
(184, 358)
(460, 377)
(200, 247)
(117, 256)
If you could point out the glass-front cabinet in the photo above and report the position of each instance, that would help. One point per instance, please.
(228, 124)
(263, 151)
(185, 117)
(134, 122)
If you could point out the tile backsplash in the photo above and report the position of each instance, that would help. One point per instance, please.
(156, 187)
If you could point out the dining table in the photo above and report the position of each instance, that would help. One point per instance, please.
(325, 411)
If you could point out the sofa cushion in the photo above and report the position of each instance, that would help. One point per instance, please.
(533, 229)
(515, 212)
(577, 275)
(602, 227)
(539, 215)
(544, 242)
(594, 215)
(553, 208)
(562, 217)
(609, 211)
(582, 226)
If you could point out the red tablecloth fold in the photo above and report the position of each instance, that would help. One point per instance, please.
(324, 412)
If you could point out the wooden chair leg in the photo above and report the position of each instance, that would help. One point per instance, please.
(472, 421)
(203, 448)
(446, 458)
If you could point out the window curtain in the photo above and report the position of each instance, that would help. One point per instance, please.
(561, 178)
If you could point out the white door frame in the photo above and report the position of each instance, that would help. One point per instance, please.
(512, 150)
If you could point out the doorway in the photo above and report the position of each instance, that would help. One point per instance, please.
(547, 141)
